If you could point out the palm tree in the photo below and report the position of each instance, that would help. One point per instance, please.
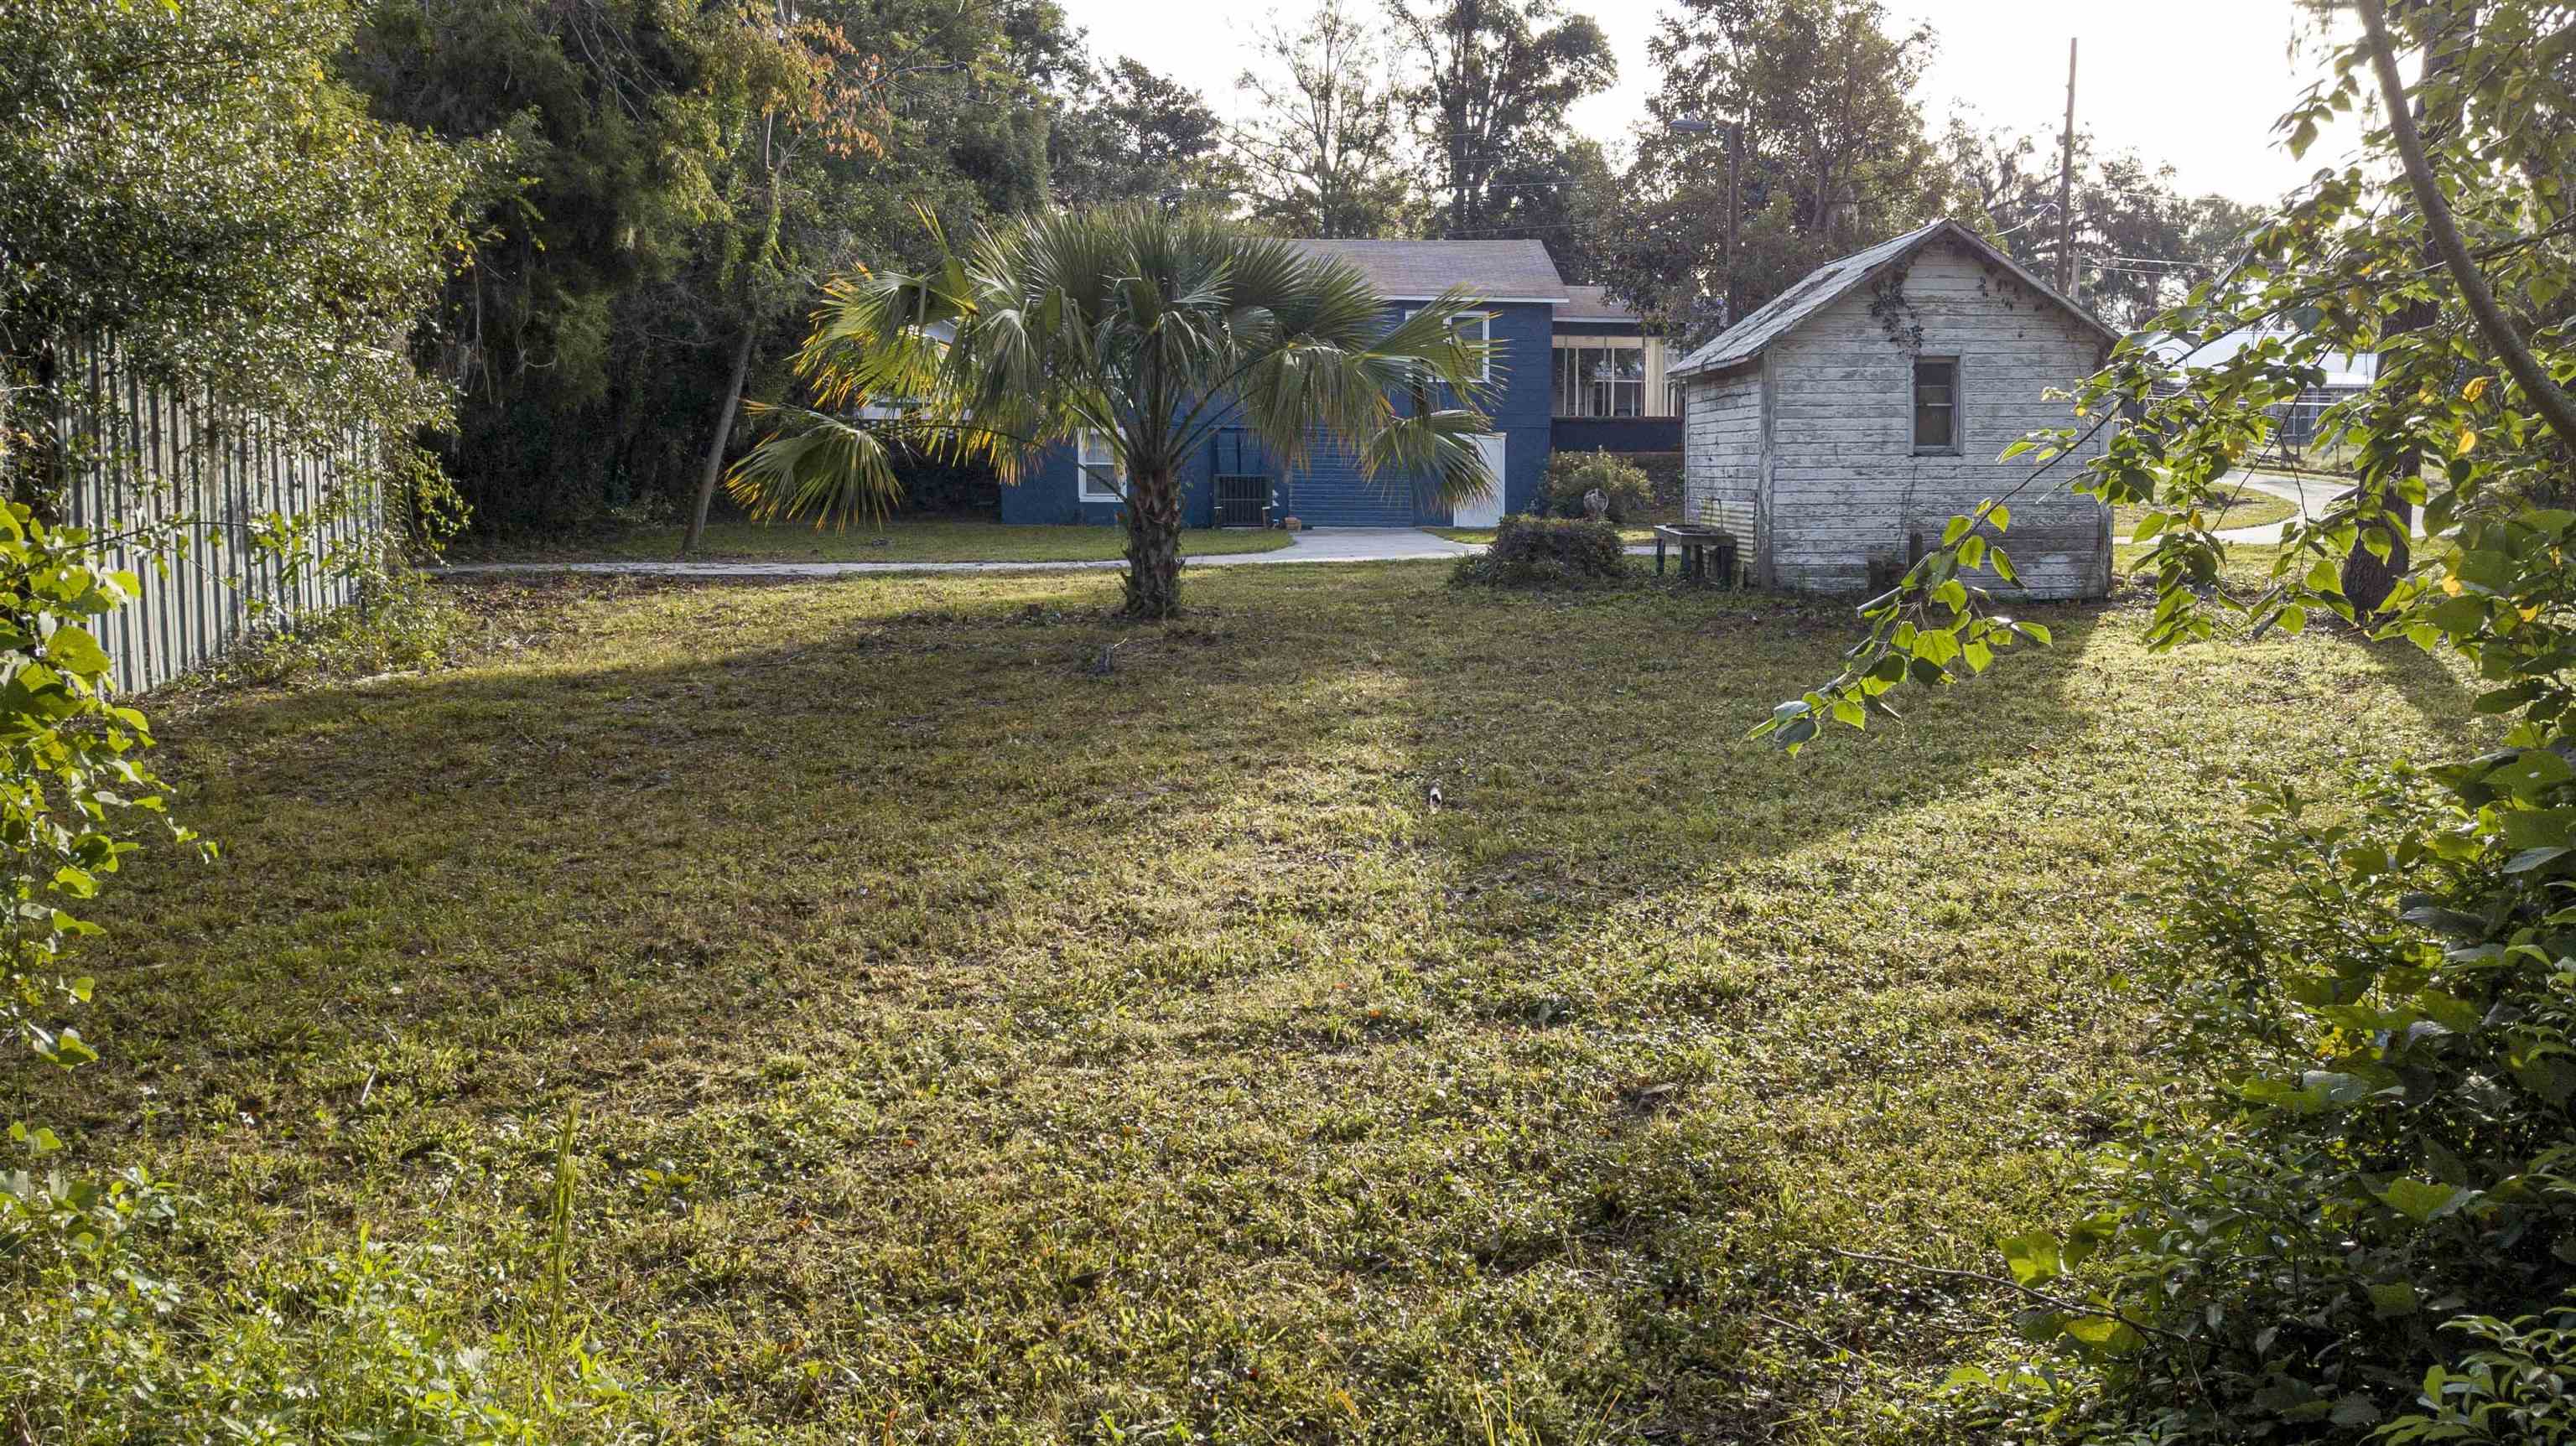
(1155, 330)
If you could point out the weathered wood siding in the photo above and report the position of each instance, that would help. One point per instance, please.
(1722, 455)
(1843, 482)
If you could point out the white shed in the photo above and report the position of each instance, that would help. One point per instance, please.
(1867, 405)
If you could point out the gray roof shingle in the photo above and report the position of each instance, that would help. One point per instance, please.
(1837, 279)
(1593, 303)
(1421, 270)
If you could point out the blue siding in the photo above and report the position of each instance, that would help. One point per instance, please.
(1050, 493)
(1329, 490)
(1618, 434)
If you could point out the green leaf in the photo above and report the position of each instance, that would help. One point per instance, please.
(2534, 770)
(2001, 516)
(2487, 571)
(2529, 859)
(2032, 1258)
(2391, 1299)
(1957, 529)
(2423, 1201)
(72, 649)
(2102, 1334)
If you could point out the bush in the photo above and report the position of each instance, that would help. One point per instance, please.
(1663, 479)
(1572, 474)
(1546, 552)
(115, 1328)
(401, 622)
(2373, 1018)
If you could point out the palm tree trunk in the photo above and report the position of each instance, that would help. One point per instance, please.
(1153, 547)
(716, 444)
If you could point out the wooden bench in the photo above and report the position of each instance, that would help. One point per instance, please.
(1697, 544)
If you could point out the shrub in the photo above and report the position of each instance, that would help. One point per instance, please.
(1663, 479)
(2373, 1018)
(1546, 552)
(401, 622)
(114, 1327)
(1572, 474)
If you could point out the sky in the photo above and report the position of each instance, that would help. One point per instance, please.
(2194, 83)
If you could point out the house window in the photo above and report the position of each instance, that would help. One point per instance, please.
(1473, 326)
(1601, 381)
(1104, 477)
(1478, 326)
(1936, 405)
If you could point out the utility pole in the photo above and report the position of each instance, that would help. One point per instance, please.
(2066, 185)
(1734, 207)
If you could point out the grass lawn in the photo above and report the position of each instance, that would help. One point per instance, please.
(899, 541)
(2250, 509)
(972, 1048)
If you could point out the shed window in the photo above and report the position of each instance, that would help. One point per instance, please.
(1936, 404)
(1104, 477)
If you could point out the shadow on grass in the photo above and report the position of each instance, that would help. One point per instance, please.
(1036, 1041)
(2428, 683)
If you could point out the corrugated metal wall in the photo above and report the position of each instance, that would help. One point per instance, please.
(140, 455)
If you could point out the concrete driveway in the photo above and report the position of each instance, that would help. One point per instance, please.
(1316, 544)
(2312, 494)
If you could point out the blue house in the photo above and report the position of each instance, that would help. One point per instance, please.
(1565, 358)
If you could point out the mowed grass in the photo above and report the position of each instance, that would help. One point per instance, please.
(903, 540)
(2247, 509)
(1368, 1012)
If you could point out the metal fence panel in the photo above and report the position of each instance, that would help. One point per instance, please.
(146, 454)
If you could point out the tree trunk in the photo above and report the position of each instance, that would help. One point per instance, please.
(2367, 581)
(1153, 547)
(716, 444)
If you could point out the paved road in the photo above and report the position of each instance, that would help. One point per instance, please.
(1320, 544)
(2313, 494)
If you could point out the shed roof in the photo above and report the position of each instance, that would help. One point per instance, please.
(1593, 303)
(1421, 270)
(1837, 279)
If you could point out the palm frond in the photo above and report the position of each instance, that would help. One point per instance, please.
(1149, 327)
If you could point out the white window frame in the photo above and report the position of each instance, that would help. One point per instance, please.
(1572, 392)
(1957, 445)
(1084, 485)
(1484, 333)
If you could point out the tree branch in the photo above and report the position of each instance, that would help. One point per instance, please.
(2557, 408)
